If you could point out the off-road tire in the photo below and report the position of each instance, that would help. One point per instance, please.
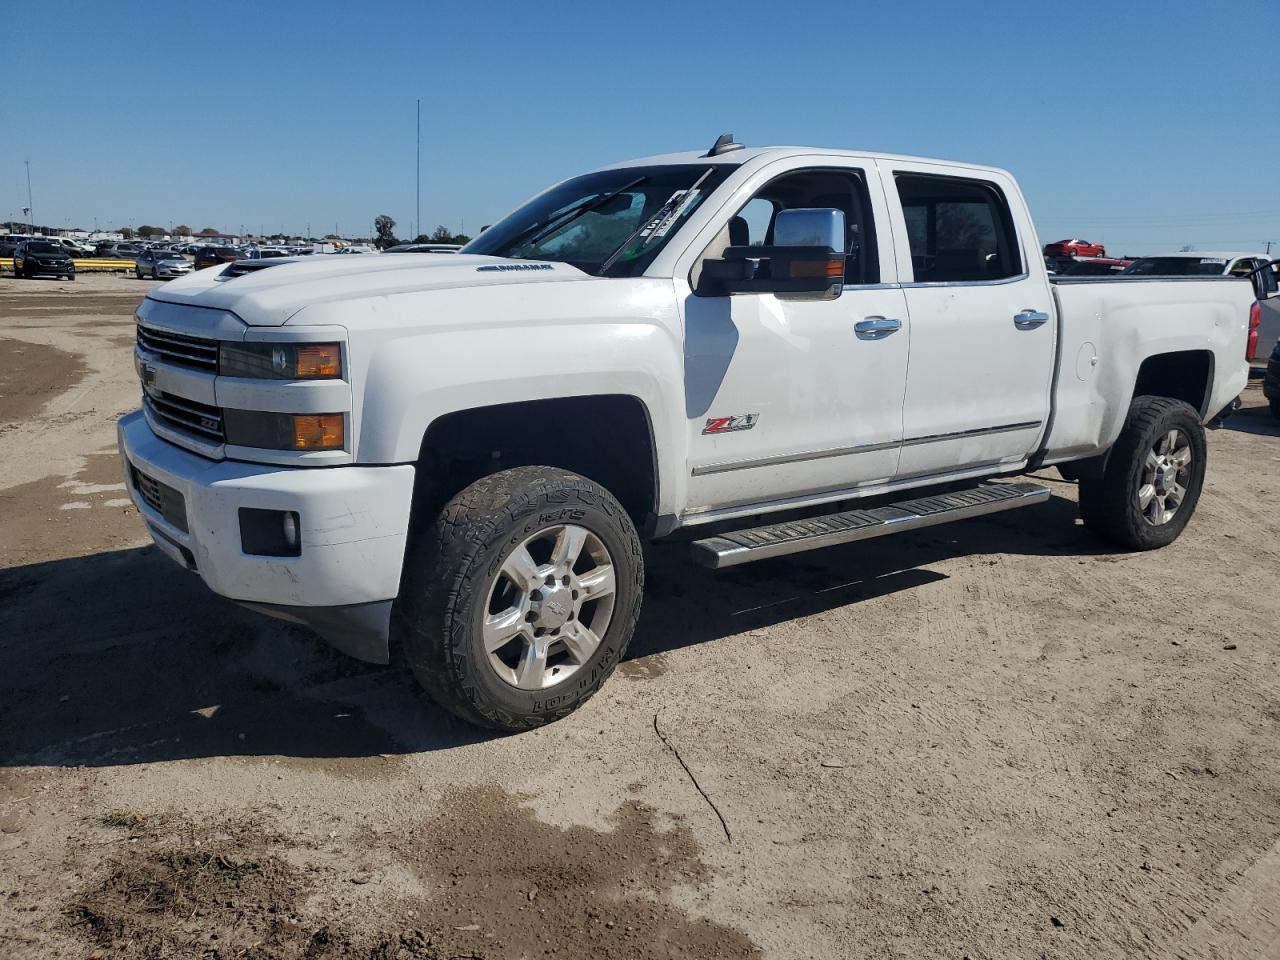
(1109, 504)
(451, 566)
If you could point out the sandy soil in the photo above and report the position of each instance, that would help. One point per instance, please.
(994, 739)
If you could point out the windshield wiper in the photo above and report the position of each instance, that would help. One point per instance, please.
(569, 216)
(659, 224)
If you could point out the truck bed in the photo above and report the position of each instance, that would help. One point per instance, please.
(1109, 325)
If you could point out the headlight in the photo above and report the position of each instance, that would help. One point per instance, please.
(284, 431)
(280, 361)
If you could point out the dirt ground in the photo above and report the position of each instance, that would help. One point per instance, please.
(993, 739)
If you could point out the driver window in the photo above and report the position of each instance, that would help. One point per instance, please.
(758, 216)
(842, 189)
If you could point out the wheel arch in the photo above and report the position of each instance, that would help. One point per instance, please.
(1185, 375)
(608, 438)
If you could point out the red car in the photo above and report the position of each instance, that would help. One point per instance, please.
(213, 256)
(1074, 248)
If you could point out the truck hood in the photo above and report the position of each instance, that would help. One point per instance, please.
(272, 291)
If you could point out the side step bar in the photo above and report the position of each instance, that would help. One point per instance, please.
(794, 536)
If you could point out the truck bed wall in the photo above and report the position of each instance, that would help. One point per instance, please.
(1109, 326)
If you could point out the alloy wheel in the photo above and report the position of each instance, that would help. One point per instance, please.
(549, 607)
(1165, 475)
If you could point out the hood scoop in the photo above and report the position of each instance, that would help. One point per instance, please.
(239, 268)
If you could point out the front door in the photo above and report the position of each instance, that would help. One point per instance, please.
(789, 398)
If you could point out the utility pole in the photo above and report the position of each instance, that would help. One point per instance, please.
(31, 207)
(1269, 242)
(417, 216)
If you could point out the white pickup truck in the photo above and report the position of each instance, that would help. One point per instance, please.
(781, 348)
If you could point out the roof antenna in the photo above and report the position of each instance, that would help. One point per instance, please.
(724, 144)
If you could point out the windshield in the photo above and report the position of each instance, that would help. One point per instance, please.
(580, 223)
(44, 247)
(1177, 267)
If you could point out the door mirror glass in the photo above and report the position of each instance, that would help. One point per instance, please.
(810, 227)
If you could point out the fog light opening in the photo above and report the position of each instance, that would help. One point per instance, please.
(270, 533)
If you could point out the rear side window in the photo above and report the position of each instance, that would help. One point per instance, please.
(959, 230)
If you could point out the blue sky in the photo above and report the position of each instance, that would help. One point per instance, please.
(1146, 125)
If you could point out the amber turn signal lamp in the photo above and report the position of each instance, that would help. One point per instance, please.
(320, 431)
(318, 360)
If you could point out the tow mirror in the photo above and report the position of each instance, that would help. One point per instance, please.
(1266, 280)
(805, 261)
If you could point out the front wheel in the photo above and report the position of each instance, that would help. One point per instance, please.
(521, 599)
(1153, 477)
(1275, 407)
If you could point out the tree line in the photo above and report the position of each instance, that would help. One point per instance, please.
(385, 234)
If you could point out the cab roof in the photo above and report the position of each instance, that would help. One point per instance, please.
(736, 158)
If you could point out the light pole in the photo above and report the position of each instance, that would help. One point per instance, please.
(30, 206)
(417, 170)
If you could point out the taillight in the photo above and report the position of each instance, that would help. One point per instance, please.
(1255, 321)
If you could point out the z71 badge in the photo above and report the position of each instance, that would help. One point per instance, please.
(744, 421)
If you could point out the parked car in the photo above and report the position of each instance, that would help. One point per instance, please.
(1074, 248)
(1271, 382)
(117, 250)
(265, 253)
(423, 248)
(1091, 267)
(73, 247)
(161, 264)
(653, 348)
(1196, 264)
(34, 258)
(213, 256)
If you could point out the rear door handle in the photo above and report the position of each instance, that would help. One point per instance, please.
(1030, 319)
(875, 328)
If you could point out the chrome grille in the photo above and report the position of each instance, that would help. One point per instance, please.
(188, 416)
(176, 348)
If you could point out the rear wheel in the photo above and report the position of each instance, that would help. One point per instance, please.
(1149, 489)
(521, 599)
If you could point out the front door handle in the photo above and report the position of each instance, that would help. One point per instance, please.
(1030, 319)
(875, 328)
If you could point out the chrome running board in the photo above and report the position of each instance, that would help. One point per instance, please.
(795, 536)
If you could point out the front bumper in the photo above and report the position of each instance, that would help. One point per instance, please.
(354, 524)
(1271, 380)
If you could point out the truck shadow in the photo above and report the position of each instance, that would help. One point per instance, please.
(120, 658)
(1255, 420)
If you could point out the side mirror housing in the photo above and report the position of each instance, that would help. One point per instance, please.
(805, 261)
(1266, 280)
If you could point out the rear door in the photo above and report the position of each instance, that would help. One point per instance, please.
(983, 334)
